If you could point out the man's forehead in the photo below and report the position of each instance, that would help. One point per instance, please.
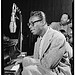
(33, 18)
(64, 15)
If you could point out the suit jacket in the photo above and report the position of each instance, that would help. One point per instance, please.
(54, 52)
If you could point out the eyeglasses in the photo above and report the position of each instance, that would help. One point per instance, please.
(32, 23)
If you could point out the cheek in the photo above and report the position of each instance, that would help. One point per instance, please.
(65, 19)
(37, 29)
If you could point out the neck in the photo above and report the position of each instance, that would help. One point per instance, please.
(44, 29)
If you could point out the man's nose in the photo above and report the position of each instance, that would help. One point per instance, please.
(30, 26)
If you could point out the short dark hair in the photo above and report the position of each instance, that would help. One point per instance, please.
(40, 14)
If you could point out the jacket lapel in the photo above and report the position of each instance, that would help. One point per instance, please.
(47, 41)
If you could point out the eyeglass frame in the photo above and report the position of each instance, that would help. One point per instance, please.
(32, 23)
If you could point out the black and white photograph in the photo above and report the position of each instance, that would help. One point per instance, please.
(37, 37)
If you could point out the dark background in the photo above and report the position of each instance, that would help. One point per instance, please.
(52, 8)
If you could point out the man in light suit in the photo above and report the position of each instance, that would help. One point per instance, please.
(51, 56)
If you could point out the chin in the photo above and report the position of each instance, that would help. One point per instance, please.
(34, 33)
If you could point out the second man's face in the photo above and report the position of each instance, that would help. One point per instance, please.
(35, 25)
(64, 18)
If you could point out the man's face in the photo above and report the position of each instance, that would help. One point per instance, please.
(35, 25)
(64, 18)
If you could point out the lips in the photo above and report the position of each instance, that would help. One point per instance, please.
(32, 30)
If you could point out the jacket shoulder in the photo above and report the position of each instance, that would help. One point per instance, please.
(58, 34)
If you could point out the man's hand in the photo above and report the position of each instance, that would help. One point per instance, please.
(17, 61)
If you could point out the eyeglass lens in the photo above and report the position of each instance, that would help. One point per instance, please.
(32, 23)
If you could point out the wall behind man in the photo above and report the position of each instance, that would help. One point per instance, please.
(52, 8)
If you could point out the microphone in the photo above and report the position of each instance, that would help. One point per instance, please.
(12, 25)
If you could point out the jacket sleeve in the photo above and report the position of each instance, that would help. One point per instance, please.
(54, 53)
